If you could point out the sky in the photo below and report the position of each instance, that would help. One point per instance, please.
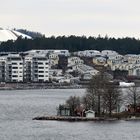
(115, 18)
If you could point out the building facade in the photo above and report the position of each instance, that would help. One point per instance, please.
(15, 68)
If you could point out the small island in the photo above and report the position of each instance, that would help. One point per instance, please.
(102, 101)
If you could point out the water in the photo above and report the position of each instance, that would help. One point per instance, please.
(17, 108)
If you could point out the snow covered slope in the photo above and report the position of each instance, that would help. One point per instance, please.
(6, 35)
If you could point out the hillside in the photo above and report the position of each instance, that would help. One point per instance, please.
(6, 34)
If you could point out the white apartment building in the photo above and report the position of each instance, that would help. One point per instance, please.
(131, 58)
(2, 68)
(109, 53)
(58, 52)
(31, 68)
(37, 68)
(91, 53)
(88, 53)
(14, 68)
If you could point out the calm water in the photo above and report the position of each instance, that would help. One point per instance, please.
(17, 108)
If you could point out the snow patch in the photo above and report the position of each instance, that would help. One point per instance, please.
(6, 35)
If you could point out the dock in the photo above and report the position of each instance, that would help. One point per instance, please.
(71, 118)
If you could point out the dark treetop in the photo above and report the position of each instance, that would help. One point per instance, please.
(74, 43)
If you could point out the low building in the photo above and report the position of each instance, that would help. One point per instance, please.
(99, 61)
(48, 52)
(88, 53)
(90, 114)
(74, 61)
(133, 109)
(63, 110)
(108, 53)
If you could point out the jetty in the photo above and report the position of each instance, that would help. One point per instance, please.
(71, 118)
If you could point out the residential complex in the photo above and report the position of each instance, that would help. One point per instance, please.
(16, 68)
(62, 66)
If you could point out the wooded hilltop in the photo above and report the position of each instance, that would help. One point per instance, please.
(74, 43)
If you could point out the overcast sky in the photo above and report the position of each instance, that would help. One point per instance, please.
(116, 18)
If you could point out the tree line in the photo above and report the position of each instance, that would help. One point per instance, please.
(30, 33)
(74, 43)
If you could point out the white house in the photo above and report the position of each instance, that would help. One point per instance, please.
(74, 61)
(91, 53)
(108, 53)
(88, 53)
(58, 52)
(90, 114)
(99, 60)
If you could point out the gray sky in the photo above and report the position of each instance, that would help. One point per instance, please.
(117, 18)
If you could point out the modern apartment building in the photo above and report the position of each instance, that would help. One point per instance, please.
(2, 69)
(36, 68)
(15, 68)
(27, 69)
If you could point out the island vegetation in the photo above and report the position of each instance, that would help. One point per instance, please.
(106, 99)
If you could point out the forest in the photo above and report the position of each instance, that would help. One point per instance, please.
(73, 43)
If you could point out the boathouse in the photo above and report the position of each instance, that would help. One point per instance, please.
(63, 110)
(90, 114)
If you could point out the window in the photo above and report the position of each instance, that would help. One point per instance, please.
(35, 71)
(40, 75)
(14, 76)
(40, 67)
(14, 58)
(42, 58)
(14, 63)
(41, 71)
(15, 67)
(40, 63)
(15, 72)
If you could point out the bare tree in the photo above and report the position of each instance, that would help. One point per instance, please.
(133, 97)
(73, 102)
(89, 101)
(111, 98)
(96, 89)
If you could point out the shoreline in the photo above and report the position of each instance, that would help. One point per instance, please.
(72, 118)
(31, 86)
(37, 88)
(82, 119)
(24, 86)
